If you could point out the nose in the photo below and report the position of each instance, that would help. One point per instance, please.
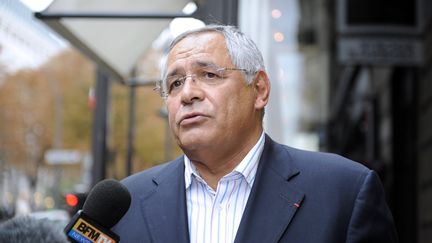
(191, 91)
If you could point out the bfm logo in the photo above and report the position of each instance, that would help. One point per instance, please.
(91, 233)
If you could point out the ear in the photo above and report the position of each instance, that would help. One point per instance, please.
(262, 89)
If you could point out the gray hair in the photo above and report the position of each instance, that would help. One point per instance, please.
(243, 51)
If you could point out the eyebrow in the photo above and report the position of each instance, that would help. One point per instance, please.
(201, 64)
(205, 64)
(173, 72)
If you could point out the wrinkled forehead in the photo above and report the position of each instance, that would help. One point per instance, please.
(203, 36)
(207, 47)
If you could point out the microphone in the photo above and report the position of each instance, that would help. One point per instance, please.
(105, 205)
(29, 229)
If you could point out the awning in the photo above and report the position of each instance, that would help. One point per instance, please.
(113, 33)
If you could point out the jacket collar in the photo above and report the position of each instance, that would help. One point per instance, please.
(164, 208)
(272, 203)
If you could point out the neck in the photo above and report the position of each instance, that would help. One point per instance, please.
(213, 165)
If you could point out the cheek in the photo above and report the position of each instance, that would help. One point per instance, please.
(229, 109)
(239, 107)
(172, 111)
(171, 121)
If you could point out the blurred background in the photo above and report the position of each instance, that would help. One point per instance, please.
(77, 104)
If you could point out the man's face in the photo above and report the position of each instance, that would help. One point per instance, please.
(213, 116)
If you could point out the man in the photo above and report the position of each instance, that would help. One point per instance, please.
(234, 184)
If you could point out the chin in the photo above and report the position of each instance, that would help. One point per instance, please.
(191, 143)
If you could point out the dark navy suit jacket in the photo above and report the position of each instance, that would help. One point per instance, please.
(297, 197)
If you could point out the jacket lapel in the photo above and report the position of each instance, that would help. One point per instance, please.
(273, 201)
(164, 208)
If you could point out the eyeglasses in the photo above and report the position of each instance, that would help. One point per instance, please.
(204, 76)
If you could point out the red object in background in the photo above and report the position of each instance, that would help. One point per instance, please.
(71, 200)
(91, 102)
(75, 202)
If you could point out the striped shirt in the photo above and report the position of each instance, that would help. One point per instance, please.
(214, 216)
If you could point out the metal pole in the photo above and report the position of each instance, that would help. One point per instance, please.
(99, 145)
(131, 129)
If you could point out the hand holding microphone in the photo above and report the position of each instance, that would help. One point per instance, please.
(106, 204)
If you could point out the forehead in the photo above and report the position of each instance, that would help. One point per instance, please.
(200, 47)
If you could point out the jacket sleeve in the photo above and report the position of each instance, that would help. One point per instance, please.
(371, 220)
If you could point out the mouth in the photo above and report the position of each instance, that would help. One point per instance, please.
(191, 118)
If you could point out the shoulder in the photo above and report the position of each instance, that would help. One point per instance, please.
(327, 173)
(319, 175)
(315, 166)
(326, 162)
(145, 180)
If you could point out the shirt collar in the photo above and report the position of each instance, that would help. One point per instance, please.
(190, 171)
(247, 167)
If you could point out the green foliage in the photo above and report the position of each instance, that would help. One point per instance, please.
(48, 108)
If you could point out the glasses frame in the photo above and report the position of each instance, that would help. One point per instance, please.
(164, 94)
